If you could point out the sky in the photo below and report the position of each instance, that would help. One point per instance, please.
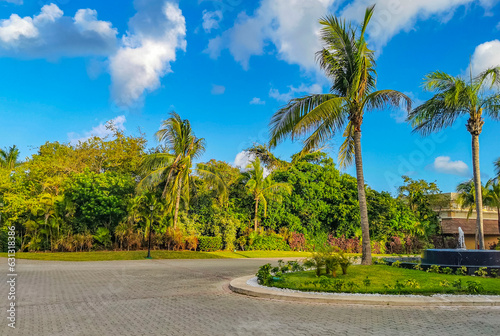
(69, 66)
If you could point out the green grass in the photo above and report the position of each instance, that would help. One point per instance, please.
(380, 275)
(160, 254)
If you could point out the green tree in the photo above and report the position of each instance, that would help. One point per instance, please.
(492, 197)
(467, 200)
(9, 157)
(172, 167)
(264, 188)
(456, 97)
(497, 167)
(350, 64)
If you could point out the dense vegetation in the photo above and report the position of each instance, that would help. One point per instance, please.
(88, 197)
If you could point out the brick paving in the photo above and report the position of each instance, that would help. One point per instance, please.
(190, 297)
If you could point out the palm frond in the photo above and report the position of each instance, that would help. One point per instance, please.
(491, 106)
(489, 78)
(387, 98)
(346, 151)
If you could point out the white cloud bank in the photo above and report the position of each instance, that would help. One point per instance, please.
(50, 34)
(157, 31)
(102, 130)
(443, 164)
(136, 62)
(485, 56)
(291, 26)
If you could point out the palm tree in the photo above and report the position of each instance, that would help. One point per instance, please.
(8, 157)
(350, 64)
(173, 166)
(497, 167)
(467, 199)
(263, 188)
(492, 197)
(455, 97)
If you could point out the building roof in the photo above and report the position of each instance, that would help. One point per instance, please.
(451, 225)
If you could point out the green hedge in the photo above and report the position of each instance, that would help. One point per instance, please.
(270, 242)
(208, 244)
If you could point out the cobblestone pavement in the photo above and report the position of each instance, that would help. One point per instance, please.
(190, 297)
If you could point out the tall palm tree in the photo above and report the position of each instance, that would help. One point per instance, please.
(492, 197)
(172, 167)
(350, 64)
(455, 97)
(263, 188)
(467, 199)
(497, 167)
(9, 157)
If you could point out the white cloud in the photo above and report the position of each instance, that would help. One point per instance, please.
(157, 31)
(211, 20)
(294, 91)
(485, 56)
(244, 159)
(102, 130)
(257, 101)
(50, 34)
(443, 164)
(218, 89)
(291, 26)
(394, 16)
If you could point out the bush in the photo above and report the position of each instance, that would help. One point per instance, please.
(174, 239)
(461, 271)
(297, 242)
(209, 244)
(269, 242)
(395, 245)
(434, 269)
(482, 272)
(349, 245)
(474, 287)
(264, 276)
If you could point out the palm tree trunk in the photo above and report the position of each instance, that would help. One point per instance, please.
(366, 257)
(478, 189)
(177, 202)
(256, 214)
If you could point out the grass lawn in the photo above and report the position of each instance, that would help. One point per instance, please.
(379, 275)
(160, 254)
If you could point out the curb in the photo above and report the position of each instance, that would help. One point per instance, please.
(240, 286)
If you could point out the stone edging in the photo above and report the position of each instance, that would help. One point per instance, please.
(241, 286)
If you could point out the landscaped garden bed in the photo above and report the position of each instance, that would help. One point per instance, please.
(375, 279)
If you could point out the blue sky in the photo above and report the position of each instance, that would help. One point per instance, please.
(69, 66)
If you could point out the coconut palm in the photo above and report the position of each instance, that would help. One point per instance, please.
(467, 199)
(263, 188)
(455, 97)
(350, 64)
(497, 167)
(172, 167)
(9, 157)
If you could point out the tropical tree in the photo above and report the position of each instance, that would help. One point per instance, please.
(497, 167)
(9, 157)
(492, 197)
(467, 199)
(455, 97)
(264, 188)
(350, 64)
(172, 166)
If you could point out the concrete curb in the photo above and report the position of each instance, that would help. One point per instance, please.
(240, 286)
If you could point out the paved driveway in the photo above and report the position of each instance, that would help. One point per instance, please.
(190, 297)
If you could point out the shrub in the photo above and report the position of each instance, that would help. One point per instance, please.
(264, 276)
(457, 284)
(447, 270)
(434, 269)
(395, 245)
(191, 242)
(103, 237)
(174, 239)
(399, 285)
(378, 247)
(379, 261)
(316, 261)
(396, 264)
(461, 271)
(269, 242)
(351, 286)
(418, 267)
(494, 272)
(344, 261)
(297, 241)
(338, 285)
(208, 244)
(444, 283)
(412, 283)
(295, 266)
(325, 282)
(349, 245)
(474, 287)
(367, 282)
(482, 272)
